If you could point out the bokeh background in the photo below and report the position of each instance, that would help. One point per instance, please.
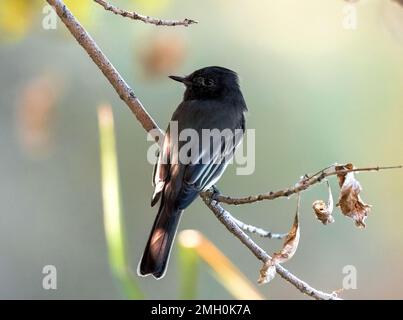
(318, 93)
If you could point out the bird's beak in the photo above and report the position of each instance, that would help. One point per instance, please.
(184, 80)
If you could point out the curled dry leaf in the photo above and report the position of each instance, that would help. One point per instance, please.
(267, 273)
(350, 202)
(322, 210)
(290, 246)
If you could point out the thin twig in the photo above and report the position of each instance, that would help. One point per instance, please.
(259, 231)
(146, 19)
(127, 95)
(305, 183)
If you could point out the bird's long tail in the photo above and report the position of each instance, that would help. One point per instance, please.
(156, 254)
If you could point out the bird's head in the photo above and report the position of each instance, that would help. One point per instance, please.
(209, 83)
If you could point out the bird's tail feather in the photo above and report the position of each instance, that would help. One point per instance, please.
(156, 254)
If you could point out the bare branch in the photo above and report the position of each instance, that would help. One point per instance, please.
(259, 231)
(146, 19)
(305, 183)
(226, 219)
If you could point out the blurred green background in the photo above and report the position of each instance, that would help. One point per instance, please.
(317, 93)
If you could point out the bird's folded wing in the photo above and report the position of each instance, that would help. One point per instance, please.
(207, 170)
(161, 169)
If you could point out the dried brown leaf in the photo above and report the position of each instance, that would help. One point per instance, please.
(350, 202)
(322, 213)
(322, 210)
(267, 273)
(341, 176)
(290, 246)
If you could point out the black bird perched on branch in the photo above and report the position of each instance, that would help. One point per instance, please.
(212, 101)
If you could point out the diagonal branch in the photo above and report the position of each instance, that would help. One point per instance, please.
(127, 95)
(305, 183)
(146, 19)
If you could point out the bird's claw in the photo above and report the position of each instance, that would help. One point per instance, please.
(215, 193)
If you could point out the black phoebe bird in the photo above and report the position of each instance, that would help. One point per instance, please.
(212, 100)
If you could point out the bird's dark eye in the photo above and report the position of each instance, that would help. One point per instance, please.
(209, 82)
(205, 82)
